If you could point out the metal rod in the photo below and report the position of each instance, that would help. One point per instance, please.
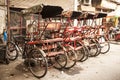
(3, 5)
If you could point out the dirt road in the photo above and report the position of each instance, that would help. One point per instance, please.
(103, 67)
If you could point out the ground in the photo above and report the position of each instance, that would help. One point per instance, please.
(103, 67)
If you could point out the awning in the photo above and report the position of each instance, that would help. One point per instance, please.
(88, 16)
(75, 15)
(51, 11)
(101, 15)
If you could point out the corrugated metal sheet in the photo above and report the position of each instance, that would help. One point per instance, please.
(65, 4)
(23, 3)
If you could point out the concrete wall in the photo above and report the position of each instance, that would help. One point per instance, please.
(2, 19)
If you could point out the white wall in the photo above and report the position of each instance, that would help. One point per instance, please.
(2, 19)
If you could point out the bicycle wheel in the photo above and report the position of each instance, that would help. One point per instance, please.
(71, 58)
(60, 61)
(37, 63)
(104, 44)
(86, 54)
(80, 54)
(93, 48)
(99, 48)
(12, 52)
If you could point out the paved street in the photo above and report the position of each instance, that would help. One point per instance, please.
(103, 67)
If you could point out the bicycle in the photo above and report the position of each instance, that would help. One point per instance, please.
(36, 59)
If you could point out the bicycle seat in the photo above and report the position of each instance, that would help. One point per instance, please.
(26, 39)
(19, 38)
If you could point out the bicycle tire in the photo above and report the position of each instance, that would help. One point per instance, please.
(104, 44)
(99, 48)
(12, 52)
(93, 48)
(71, 58)
(86, 54)
(40, 65)
(60, 61)
(80, 54)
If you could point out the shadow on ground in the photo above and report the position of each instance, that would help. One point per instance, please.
(73, 71)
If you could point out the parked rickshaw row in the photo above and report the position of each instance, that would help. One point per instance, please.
(56, 42)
